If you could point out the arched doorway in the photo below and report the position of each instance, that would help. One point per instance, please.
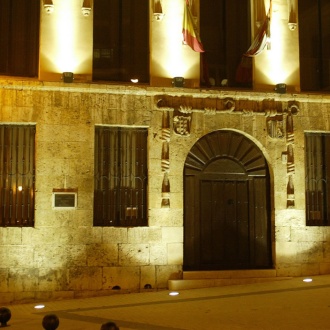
(226, 204)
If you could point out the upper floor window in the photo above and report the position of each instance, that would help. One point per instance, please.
(121, 173)
(226, 35)
(314, 45)
(17, 171)
(121, 40)
(19, 31)
(317, 160)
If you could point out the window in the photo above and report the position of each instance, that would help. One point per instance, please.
(120, 186)
(121, 40)
(226, 35)
(17, 175)
(314, 46)
(19, 30)
(317, 149)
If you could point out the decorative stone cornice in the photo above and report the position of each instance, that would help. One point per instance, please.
(212, 106)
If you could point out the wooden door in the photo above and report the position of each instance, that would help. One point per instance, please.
(227, 224)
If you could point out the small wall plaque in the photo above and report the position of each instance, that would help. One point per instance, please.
(65, 199)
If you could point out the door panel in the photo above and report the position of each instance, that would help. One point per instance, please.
(224, 225)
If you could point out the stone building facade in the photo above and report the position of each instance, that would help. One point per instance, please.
(63, 255)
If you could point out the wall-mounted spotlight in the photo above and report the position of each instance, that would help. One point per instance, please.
(86, 8)
(48, 6)
(178, 82)
(158, 10)
(280, 88)
(159, 16)
(67, 77)
(292, 19)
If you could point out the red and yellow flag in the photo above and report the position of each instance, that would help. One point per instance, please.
(190, 30)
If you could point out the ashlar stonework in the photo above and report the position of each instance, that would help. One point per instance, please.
(64, 256)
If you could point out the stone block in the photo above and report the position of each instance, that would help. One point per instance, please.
(114, 235)
(282, 234)
(158, 254)
(11, 236)
(52, 279)
(77, 255)
(83, 218)
(308, 252)
(24, 297)
(324, 268)
(4, 272)
(16, 256)
(286, 252)
(172, 234)
(85, 278)
(51, 256)
(290, 217)
(165, 273)
(134, 254)
(175, 253)
(307, 234)
(148, 276)
(127, 278)
(139, 235)
(7, 297)
(86, 235)
(103, 255)
(310, 269)
(166, 217)
(22, 279)
(288, 269)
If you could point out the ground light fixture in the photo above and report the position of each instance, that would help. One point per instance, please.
(173, 293)
(40, 306)
(307, 280)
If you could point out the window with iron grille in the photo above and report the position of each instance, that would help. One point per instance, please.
(120, 185)
(317, 150)
(17, 172)
(19, 41)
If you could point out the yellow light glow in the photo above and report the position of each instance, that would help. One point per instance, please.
(174, 293)
(66, 27)
(20, 188)
(280, 64)
(66, 41)
(39, 306)
(307, 280)
(170, 57)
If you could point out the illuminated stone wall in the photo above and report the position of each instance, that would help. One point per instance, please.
(65, 256)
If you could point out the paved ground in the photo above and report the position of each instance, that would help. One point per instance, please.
(287, 304)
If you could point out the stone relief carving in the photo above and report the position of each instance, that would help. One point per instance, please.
(210, 111)
(293, 109)
(165, 159)
(182, 121)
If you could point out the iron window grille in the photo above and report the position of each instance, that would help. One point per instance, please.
(317, 154)
(120, 185)
(17, 172)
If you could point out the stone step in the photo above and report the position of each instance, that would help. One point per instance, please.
(244, 273)
(207, 279)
